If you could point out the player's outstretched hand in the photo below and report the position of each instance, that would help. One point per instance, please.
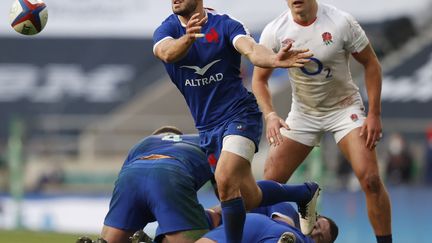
(287, 58)
(194, 25)
(273, 125)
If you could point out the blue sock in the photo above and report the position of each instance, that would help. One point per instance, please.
(274, 192)
(384, 239)
(233, 216)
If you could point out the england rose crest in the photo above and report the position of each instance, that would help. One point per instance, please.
(327, 38)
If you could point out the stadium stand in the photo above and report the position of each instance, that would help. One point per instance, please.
(86, 100)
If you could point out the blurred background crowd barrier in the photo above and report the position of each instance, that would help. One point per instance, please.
(74, 98)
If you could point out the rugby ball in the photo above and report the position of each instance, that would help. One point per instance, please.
(28, 17)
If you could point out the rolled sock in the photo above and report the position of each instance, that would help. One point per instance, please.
(233, 216)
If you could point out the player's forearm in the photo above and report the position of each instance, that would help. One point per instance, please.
(263, 95)
(261, 56)
(174, 50)
(373, 88)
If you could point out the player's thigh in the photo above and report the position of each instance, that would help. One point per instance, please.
(242, 135)
(189, 236)
(127, 209)
(114, 235)
(239, 136)
(363, 160)
(205, 240)
(284, 159)
(303, 129)
(345, 120)
(234, 161)
(304, 133)
(230, 172)
(176, 206)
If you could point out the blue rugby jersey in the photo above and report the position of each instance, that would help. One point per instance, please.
(209, 75)
(184, 148)
(260, 228)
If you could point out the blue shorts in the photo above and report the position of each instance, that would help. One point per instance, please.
(258, 228)
(249, 124)
(150, 190)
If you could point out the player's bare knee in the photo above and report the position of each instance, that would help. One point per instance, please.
(276, 173)
(271, 174)
(372, 183)
(227, 187)
(268, 168)
(222, 180)
(228, 193)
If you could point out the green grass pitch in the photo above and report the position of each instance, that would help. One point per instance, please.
(23, 236)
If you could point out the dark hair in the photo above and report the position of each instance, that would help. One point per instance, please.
(167, 129)
(334, 230)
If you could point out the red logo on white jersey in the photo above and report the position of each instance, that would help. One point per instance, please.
(327, 38)
(287, 41)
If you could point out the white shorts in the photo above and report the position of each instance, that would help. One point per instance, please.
(308, 130)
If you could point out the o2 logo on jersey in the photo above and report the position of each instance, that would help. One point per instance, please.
(313, 72)
(319, 68)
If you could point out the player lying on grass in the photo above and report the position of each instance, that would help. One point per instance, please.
(277, 223)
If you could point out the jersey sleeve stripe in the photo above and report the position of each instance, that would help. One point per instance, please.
(157, 43)
(238, 37)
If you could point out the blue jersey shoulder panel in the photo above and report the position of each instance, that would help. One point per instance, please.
(184, 148)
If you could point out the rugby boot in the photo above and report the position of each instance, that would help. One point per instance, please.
(287, 237)
(307, 211)
(84, 239)
(140, 237)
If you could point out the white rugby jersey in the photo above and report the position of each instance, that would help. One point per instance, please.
(324, 84)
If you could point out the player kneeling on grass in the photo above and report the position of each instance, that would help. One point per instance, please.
(159, 182)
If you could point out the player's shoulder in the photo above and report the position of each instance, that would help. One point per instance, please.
(282, 20)
(335, 14)
(171, 20)
(214, 15)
